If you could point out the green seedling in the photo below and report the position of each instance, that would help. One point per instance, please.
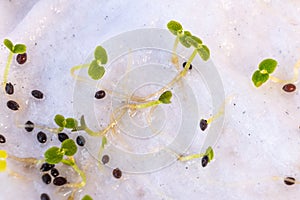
(62, 122)
(209, 153)
(87, 197)
(165, 98)
(13, 49)
(265, 68)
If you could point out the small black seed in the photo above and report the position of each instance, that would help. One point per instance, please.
(21, 58)
(13, 105)
(41, 137)
(2, 139)
(59, 181)
(117, 173)
(45, 196)
(29, 126)
(105, 159)
(46, 178)
(204, 161)
(37, 94)
(80, 140)
(46, 167)
(54, 172)
(203, 124)
(289, 180)
(289, 87)
(100, 94)
(62, 137)
(9, 88)
(191, 66)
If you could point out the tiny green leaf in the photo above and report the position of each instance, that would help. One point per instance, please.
(165, 97)
(8, 44)
(3, 165)
(95, 71)
(19, 48)
(104, 142)
(100, 55)
(192, 42)
(258, 78)
(60, 120)
(69, 147)
(53, 155)
(82, 123)
(174, 27)
(204, 53)
(87, 197)
(269, 65)
(71, 123)
(210, 153)
(183, 40)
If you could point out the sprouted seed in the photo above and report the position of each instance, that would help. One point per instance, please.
(29, 126)
(289, 87)
(46, 178)
(183, 65)
(9, 88)
(21, 58)
(204, 161)
(203, 124)
(12, 105)
(289, 180)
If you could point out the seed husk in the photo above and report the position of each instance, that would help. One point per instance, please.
(62, 137)
(105, 159)
(44, 196)
(204, 161)
(183, 65)
(289, 87)
(46, 178)
(80, 140)
(46, 167)
(41, 137)
(29, 126)
(289, 180)
(37, 94)
(117, 173)
(2, 139)
(203, 124)
(54, 172)
(13, 105)
(9, 88)
(59, 181)
(100, 94)
(21, 58)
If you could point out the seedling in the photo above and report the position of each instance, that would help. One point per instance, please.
(209, 155)
(13, 49)
(62, 122)
(87, 197)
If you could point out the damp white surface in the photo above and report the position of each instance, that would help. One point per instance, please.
(259, 143)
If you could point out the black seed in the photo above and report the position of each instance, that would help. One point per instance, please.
(105, 159)
(37, 94)
(80, 140)
(54, 172)
(45, 196)
(117, 173)
(289, 87)
(2, 139)
(9, 88)
(191, 66)
(46, 167)
(41, 137)
(21, 58)
(204, 161)
(100, 94)
(62, 137)
(289, 180)
(46, 178)
(29, 126)
(203, 124)
(13, 105)
(59, 181)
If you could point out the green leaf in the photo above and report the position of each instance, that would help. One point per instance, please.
(3, 165)
(203, 52)
(82, 123)
(71, 123)
(69, 147)
(95, 71)
(53, 155)
(174, 27)
(8, 44)
(60, 120)
(87, 197)
(258, 78)
(183, 41)
(165, 97)
(192, 42)
(100, 55)
(104, 142)
(267, 65)
(210, 153)
(19, 48)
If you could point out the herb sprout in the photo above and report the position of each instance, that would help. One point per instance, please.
(62, 122)
(209, 153)
(265, 68)
(54, 155)
(13, 49)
